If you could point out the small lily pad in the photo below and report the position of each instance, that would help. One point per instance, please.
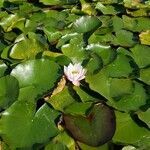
(86, 24)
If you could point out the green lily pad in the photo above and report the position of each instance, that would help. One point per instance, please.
(144, 116)
(87, 24)
(75, 50)
(61, 100)
(77, 108)
(134, 100)
(21, 126)
(141, 55)
(58, 2)
(121, 87)
(27, 48)
(10, 21)
(145, 37)
(94, 64)
(84, 96)
(66, 140)
(138, 24)
(129, 132)
(124, 38)
(106, 53)
(3, 68)
(9, 90)
(41, 74)
(110, 9)
(100, 83)
(95, 129)
(145, 75)
(55, 146)
(120, 67)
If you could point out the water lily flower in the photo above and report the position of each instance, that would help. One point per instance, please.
(75, 73)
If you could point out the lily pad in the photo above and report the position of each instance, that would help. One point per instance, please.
(141, 55)
(129, 132)
(145, 75)
(95, 129)
(3, 68)
(145, 37)
(144, 116)
(86, 24)
(9, 90)
(29, 74)
(21, 126)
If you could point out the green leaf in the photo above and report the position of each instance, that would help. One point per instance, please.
(9, 22)
(77, 108)
(61, 100)
(121, 87)
(58, 2)
(86, 147)
(106, 53)
(120, 67)
(84, 96)
(145, 37)
(86, 24)
(100, 83)
(9, 90)
(27, 48)
(133, 101)
(110, 9)
(94, 65)
(144, 116)
(65, 139)
(137, 24)
(55, 146)
(3, 68)
(124, 38)
(41, 74)
(141, 55)
(95, 129)
(145, 75)
(75, 50)
(128, 132)
(21, 127)
(117, 23)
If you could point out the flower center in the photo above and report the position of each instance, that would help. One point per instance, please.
(75, 72)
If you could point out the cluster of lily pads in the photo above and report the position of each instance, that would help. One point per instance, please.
(101, 105)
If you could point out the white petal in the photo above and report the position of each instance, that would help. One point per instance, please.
(76, 83)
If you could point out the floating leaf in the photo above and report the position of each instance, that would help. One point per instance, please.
(21, 127)
(120, 67)
(144, 116)
(3, 68)
(124, 38)
(58, 2)
(116, 90)
(141, 55)
(145, 75)
(110, 9)
(61, 100)
(27, 48)
(134, 100)
(129, 132)
(145, 37)
(87, 24)
(9, 90)
(29, 74)
(84, 96)
(106, 53)
(94, 129)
